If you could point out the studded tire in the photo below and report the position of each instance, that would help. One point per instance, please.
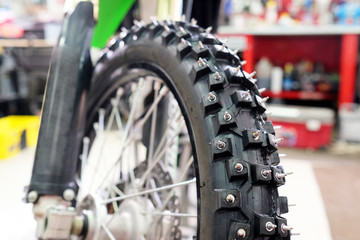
(234, 146)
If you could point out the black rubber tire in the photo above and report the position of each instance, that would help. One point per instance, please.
(231, 140)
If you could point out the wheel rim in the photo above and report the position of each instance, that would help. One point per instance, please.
(150, 185)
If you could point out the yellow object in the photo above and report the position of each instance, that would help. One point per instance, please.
(16, 133)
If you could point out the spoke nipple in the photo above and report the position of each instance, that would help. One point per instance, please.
(264, 99)
(242, 63)
(239, 167)
(261, 90)
(265, 173)
(221, 144)
(235, 52)
(285, 228)
(182, 30)
(32, 196)
(252, 74)
(241, 232)
(193, 21)
(227, 116)
(201, 62)
(270, 226)
(211, 97)
(217, 76)
(200, 45)
(208, 30)
(230, 198)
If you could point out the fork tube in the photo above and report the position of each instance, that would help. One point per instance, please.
(63, 113)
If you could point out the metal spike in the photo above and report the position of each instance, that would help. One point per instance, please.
(277, 127)
(221, 144)
(182, 30)
(227, 116)
(154, 20)
(124, 29)
(223, 47)
(200, 45)
(254, 80)
(211, 97)
(242, 63)
(270, 226)
(268, 113)
(278, 140)
(208, 30)
(292, 205)
(264, 99)
(119, 92)
(282, 175)
(201, 62)
(265, 173)
(245, 94)
(241, 232)
(294, 234)
(138, 23)
(237, 70)
(230, 198)
(252, 74)
(193, 21)
(285, 228)
(282, 155)
(236, 51)
(167, 29)
(217, 76)
(261, 90)
(183, 18)
(183, 42)
(239, 167)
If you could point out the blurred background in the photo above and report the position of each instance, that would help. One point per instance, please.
(305, 53)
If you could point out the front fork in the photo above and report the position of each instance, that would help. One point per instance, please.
(63, 117)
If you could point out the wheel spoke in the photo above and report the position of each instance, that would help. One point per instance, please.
(171, 214)
(108, 232)
(150, 191)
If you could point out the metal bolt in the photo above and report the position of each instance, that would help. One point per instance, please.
(221, 144)
(227, 116)
(239, 167)
(270, 226)
(265, 173)
(211, 97)
(69, 194)
(32, 196)
(241, 232)
(285, 228)
(230, 198)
